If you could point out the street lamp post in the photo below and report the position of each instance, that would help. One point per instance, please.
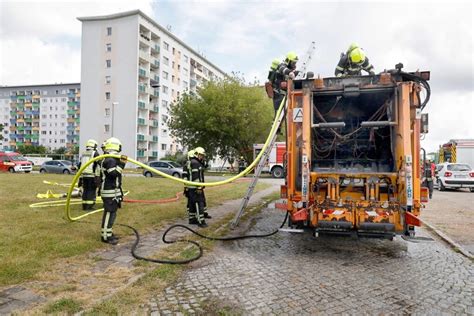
(113, 107)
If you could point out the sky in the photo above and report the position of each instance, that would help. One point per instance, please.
(40, 42)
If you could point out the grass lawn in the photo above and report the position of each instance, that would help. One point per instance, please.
(32, 238)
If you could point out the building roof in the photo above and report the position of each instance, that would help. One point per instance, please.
(139, 12)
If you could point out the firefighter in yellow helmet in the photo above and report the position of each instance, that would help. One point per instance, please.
(90, 177)
(195, 195)
(285, 70)
(111, 190)
(272, 74)
(353, 62)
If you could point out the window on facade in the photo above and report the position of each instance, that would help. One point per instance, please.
(166, 46)
(43, 132)
(108, 63)
(163, 146)
(57, 92)
(185, 70)
(172, 78)
(185, 58)
(109, 31)
(63, 141)
(164, 103)
(45, 92)
(172, 65)
(106, 128)
(166, 61)
(165, 89)
(108, 47)
(165, 75)
(107, 111)
(174, 50)
(107, 79)
(107, 95)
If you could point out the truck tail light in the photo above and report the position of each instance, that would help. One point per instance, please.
(424, 193)
(283, 192)
(447, 174)
(471, 174)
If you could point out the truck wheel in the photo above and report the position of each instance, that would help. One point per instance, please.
(11, 170)
(277, 172)
(441, 187)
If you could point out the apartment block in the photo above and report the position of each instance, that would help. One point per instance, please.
(125, 56)
(46, 115)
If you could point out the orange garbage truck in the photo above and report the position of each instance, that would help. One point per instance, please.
(353, 152)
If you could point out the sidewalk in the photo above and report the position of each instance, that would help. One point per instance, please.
(96, 276)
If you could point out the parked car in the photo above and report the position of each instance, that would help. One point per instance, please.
(58, 166)
(454, 176)
(168, 167)
(14, 162)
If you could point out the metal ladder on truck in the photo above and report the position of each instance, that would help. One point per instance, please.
(258, 170)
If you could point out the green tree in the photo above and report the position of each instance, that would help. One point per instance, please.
(60, 151)
(226, 118)
(30, 149)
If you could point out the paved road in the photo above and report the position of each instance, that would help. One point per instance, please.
(297, 274)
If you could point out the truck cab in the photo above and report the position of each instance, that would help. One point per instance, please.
(14, 162)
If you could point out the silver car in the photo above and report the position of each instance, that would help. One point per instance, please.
(165, 166)
(58, 166)
(454, 176)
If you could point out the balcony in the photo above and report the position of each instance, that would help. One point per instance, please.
(156, 92)
(141, 73)
(155, 64)
(71, 112)
(141, 121)
(140, 153)
(144, 55)
(140, 137)
(154, 123)
(155, 108)
(141, 105)
(155, 49)
(71, 94)
(155, 139)
(152, 154)
(142, 88)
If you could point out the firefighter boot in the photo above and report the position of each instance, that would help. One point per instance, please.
(112, 240)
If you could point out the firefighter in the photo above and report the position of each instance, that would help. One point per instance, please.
(353, 62)
(286, 70)
(196, 198)
(272, 73)
(90, 175)
(242, 164)
(186, 168)
(428, 177)
(111, 190)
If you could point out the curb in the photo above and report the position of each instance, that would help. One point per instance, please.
(456, 247)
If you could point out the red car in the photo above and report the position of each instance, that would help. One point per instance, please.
(14, 162)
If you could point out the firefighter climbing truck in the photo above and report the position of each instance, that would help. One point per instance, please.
(353, 148)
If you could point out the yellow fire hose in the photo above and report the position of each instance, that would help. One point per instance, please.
(191, 183)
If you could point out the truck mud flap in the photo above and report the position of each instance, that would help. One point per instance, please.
(334, 225)
(377, 227)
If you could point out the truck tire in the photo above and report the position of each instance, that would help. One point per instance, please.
(11, 170)
(441, 187)
(277, 172)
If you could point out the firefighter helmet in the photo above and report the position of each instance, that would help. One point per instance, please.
(199, 151)
(291, 56)
(352, 47)
(91, 144)
(357, 55)
(191, 153)
(113, 144)
(275, 64)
